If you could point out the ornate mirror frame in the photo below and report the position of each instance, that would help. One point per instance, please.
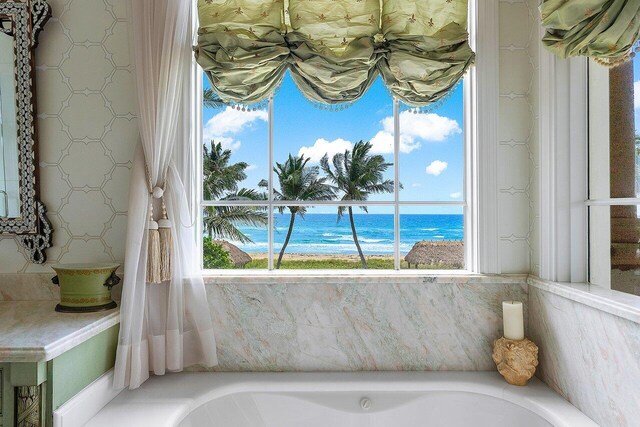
(32, 228)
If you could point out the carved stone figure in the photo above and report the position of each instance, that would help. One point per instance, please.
(516, 360)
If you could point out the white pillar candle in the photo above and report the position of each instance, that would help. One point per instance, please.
(513, 320)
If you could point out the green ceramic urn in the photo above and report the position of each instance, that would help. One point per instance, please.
(85, 287)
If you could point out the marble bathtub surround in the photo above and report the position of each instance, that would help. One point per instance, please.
(617, 303)
(345, 324)
(341, 277)
(31, 331)
(589, 349)
(513, 320)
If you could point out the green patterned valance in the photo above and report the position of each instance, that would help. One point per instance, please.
(605, 30)
(334, 49)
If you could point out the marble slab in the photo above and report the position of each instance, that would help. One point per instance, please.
(588, 355)
(607, 300)
(28, 287)
(38, 287)
(334, 324)
(31, 331)
(371, 277)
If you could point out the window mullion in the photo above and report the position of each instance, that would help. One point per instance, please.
(270, 196)
(354, 203)
(396, 185)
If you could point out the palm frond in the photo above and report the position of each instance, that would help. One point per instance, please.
(211, 100)
(297, 181)
(222, 221)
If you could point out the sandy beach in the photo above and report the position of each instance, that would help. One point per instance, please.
(317, 257)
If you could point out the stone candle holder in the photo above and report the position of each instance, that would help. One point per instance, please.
(516, 359)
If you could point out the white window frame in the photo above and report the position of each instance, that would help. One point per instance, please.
(480, 189)
(563, 135)
(600, 254)
(572, 94)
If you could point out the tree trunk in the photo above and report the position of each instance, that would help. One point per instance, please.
(355, 238)
(207, 226)
(286, 241)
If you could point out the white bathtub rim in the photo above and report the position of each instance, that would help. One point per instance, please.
(87, 403)
(196, 389)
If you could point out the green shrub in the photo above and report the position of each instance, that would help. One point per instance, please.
(214, 255)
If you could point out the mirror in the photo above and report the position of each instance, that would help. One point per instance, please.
(9, 198)
(22, 214)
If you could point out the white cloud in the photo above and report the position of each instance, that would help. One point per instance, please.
(636, 94)
(322, 147)
(455, 195)
(382, 142)
(429, 127)
(416, 185)
(228, 143)
(226, 124)
(251, 167)
(414, 128)
(436, 167)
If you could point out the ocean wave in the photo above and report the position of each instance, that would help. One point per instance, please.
(252, 247)
(342, 248)
(330, 249)
(319, 234)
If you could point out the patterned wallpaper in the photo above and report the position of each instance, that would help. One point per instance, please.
(88, 133)
(517, 151)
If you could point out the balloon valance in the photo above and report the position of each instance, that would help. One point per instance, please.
(334, 49)
(605, 30)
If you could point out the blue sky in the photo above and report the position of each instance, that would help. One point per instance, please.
(432, 147)
(431, 158)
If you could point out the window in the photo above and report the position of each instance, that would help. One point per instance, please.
(614, 177)
(293, 185)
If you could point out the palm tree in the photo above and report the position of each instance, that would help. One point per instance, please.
(211, 100)
(219, 177)
(357, 174)
(298, 182)
(221, 222)
(220, 182)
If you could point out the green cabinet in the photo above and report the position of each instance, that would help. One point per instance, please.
(31, 391)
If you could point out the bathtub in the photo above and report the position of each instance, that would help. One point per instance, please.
(395, 399)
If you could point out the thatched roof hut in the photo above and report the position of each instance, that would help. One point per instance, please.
(238, 257)
(445, 253)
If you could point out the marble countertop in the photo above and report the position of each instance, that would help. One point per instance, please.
(31, 331)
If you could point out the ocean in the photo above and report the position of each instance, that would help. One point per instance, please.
(322, 234)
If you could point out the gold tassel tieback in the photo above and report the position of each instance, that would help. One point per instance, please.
(166, 245)
(153, 254)
(160, 243)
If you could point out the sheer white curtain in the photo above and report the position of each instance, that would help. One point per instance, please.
(164, 326)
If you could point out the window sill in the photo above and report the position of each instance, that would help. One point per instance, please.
(293, 277)
(619, 304)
